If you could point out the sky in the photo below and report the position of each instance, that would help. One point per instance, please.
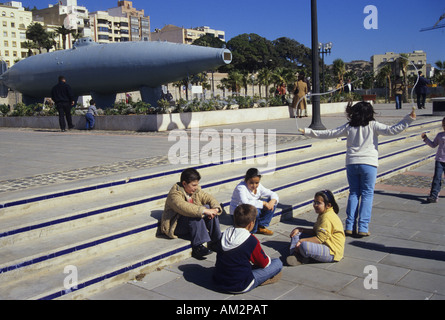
(396, 27)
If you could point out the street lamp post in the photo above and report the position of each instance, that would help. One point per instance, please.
(324, 48)
(316, 118)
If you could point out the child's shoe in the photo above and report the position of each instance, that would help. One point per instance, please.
(263, 230)
(199, 252)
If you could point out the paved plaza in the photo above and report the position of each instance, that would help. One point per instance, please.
(404, 258)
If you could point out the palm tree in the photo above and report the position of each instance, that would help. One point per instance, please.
(403, 64)
(179, 84)
(439, 73)
(265, 78)
(339, 70)
(385, 73)
(29, 45)
(235, 79)
(63, 32)
(224, 85)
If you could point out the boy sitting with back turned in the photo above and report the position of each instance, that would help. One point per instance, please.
(241, 263)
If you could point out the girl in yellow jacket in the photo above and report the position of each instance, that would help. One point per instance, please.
(325, 242)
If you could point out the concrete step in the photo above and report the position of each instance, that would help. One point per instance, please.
(127, 202)
(26, 260)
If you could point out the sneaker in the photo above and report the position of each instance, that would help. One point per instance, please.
(274, 279)
(263, 230)
(199, 252)
(431, 200)
(348, 233)
(363, 234)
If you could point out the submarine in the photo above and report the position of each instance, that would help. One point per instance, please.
(104, 70)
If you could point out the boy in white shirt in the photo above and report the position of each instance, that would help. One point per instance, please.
(251, 191)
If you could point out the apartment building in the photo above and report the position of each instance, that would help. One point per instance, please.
(14, 21)
(172, 33)
(65, 13)
(122, 23)
(417, 61)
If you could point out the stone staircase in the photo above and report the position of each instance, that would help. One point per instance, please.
(81, 240)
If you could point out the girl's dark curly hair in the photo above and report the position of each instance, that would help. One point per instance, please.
(360, 114)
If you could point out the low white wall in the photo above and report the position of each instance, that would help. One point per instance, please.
(164, 122)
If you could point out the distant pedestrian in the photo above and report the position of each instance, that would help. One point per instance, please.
(63, 97)
(300, 92)
(439, 169)
(362, 133)
(281, 92)
(421, 91)
(398, 92)
(92, 111)
(349, 88)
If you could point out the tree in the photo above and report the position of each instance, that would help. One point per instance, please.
(209, 40)
(49, 42)
(41, 38)
(403, 64)
(439, 73)
(29, 45)
(265, 78)
(385, 73)
(292, 54)
(339, 70)
(64, 32)
(250, 52)
(235, 80)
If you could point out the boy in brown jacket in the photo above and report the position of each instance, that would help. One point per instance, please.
(191, 213)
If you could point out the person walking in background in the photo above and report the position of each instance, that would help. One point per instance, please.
(362, 133)
(439, 168)
(398, 91)
(89, 116)
(63, 97)
(299, 101)
(421, 91)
